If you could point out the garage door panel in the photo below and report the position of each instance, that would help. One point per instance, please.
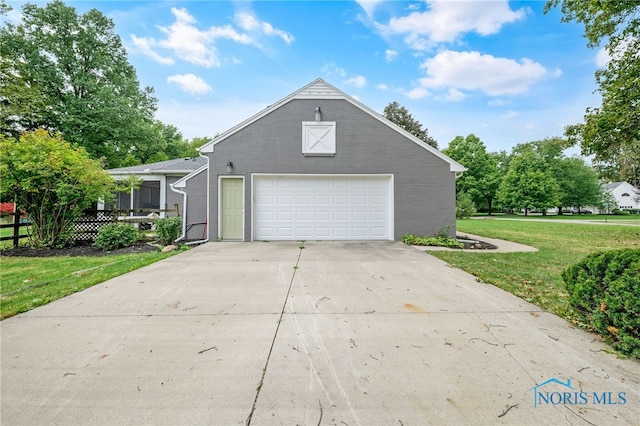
(285, 216)
(379, 216)
(322, 207)
(360, 216)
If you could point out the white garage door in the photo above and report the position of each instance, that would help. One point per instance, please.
(322, 207)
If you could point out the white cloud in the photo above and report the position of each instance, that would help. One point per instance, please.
(498, 102)
(448, 21)
(184, 40)
(369, 6)
(390, 55)
(331, 69)
(250, 23)
(382, 86)
(190, 83)
(510, 114)
(454, 95)
(418, 93)
(357, 81)
(477, 72)
(144, 45)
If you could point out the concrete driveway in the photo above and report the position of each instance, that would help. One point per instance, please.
(335, 333)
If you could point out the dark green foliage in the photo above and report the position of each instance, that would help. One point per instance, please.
(169, 229)
(605, 290)
(116, 235)
(481, 180)
(401, 116)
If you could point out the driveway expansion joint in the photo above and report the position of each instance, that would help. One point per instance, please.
(275, 336)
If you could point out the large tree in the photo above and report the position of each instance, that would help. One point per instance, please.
(528, 183)
(610, 132)
(481, 180)
(69, 72)
(402, 117)
(578, 184)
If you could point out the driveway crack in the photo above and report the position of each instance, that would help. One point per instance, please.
(275, 336)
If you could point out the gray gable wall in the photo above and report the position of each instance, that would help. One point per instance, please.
(424, 186)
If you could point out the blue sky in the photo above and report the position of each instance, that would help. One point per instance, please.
(499, 69)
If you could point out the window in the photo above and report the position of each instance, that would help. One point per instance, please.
(626, 194)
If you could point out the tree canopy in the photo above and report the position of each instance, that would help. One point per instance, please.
(69, 72)
(610, 132)
(481, 180)
(399, 115)
(577, 183)
(528, 184)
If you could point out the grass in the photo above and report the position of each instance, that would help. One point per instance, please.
(536, 277)
(27, 283)
(631, 218)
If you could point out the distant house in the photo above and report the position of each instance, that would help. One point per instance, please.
(154, 192)
(318, 165)
(625, 194)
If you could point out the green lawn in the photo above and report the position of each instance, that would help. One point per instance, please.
(26, 283)
(631, 218)
(536, 277)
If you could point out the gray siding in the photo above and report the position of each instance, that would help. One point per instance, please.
(196, 212)
(424, 188)
(172, 198)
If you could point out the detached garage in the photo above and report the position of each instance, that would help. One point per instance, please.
(319, 165)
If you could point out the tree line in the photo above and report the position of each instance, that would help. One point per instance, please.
(535, 175)
(68, 73)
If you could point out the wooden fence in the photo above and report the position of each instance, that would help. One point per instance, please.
(15, 224)
(86, 227)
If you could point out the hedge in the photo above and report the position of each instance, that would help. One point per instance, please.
(605, 290)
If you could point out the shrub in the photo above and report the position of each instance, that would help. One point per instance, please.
(116, 235)
(619, 212)
(53, 182)
(169, 229)
(439, 241)
(605, 290)
(465, 207)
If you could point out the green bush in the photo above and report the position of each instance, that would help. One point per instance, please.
(440, 241)
(169, 229)
(465, 208)
(619, 212)
(605, 290)
(116, 235)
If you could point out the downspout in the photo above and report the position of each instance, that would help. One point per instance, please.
(184, 222)
(184, 212)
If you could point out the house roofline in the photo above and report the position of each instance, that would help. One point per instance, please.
(180, 182)
(320, 89)
(150, 172)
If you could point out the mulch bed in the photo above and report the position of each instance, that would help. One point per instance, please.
(89, 250)
(478, 245)
(76, 250)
